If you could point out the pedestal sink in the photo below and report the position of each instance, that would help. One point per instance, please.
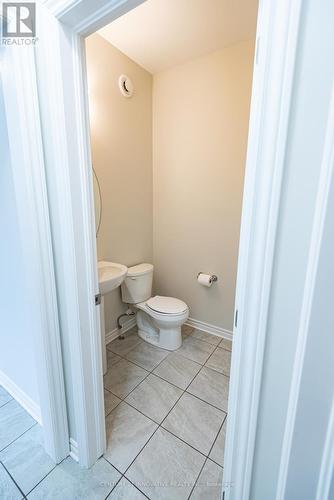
(111, 275)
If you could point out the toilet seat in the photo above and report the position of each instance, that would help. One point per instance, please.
(166, 305)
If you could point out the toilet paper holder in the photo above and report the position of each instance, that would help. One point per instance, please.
(213, 277)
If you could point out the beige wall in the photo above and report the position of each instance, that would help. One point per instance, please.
(200, 125)
(121, 140)
(189, 220)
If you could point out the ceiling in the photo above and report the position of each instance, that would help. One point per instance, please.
(160, 34)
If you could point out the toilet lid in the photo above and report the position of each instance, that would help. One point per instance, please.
(167, 305)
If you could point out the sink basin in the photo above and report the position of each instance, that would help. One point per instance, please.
(111, 275)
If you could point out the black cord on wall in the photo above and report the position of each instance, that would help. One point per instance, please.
(100, 196)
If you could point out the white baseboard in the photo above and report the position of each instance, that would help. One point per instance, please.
(130, 323)
(74, 450)
(195, 323)
(21, 397)
(206, 327)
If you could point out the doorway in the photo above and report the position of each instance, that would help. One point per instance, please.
(168, 128)
(68, 163)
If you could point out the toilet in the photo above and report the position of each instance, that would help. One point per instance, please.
(159, 319)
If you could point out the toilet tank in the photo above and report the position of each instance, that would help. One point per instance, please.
(137, 286)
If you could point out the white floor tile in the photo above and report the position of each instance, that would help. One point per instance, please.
(195, 421)
(26, 459)
(167, 468)
(69, 481)
(127, 432)
(154, 397)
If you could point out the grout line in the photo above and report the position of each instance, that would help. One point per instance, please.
(156, 429)
(204, 401)
(215, 371)
(200, 472)
(202, 340)
(139, 411)
(185, 442)
(189, 359)
(46, 475)
(207, 333)
(174, 385)
(114, 466)
(220, 428)
(123, 356)
(184, 390)
(216, 463)
(150, 371)
(171, 383)
(33, 425)
(11, 477)
(195, 482)
(122, 477)
(208, 458)
(25, 495)
(120, 400)
(108, 390)
(186, 335)
(135, 364)
(6, 403)
(126, 334)
(123, 398)
(177, 437)
(212, 353)
(140, 366)
(107, 415)
(133, 484)
(226, 350)
(171, 409)
(214, 442)
(112, 489)
(162, 421)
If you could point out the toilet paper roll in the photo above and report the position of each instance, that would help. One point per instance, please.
(204, 279)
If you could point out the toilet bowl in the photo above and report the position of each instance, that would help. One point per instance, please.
(159, 319)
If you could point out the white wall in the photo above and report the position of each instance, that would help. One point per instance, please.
(312, 85)
(200, 126)
(121, 140)
(17, 316)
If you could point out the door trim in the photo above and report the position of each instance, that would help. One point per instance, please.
(276, 45)
(68, 23)
(27, 163)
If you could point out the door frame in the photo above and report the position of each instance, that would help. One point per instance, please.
(63, 96)
(31, 199)
(273, 75)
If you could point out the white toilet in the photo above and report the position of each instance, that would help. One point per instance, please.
(159, 319)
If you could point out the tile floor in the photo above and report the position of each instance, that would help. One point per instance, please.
(165, 425)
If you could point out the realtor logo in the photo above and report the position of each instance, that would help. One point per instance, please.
(19, 19)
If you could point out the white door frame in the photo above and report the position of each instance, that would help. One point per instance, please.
(27, 166)
(63, 97)
(276, 46)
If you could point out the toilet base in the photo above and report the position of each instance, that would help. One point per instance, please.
(158, 333)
